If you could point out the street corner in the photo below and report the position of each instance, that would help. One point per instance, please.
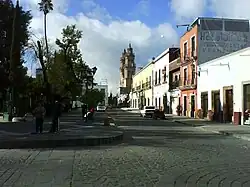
(97, 137)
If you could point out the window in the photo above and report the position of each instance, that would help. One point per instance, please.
(237, 26)
(212, 25)
(156, 78)
(193, 74)
(156, 102)
(193, 46)
(176, 78)
(185, 76)
(148, 102)
(159, 103)
(159, 75)
(185, 50)
(165, 74)
(150, 81)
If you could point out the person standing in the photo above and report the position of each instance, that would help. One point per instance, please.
(55, 117)
(84, 112)
(39, 113)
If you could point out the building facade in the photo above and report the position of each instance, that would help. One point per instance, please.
(127, 70)
(207, 39)
(141, 94)
(174, 80)
(224, 87)
(104, 89)
(161, 95)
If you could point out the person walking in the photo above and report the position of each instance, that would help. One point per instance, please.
(39, 113)
(84, 112)
(55, 117)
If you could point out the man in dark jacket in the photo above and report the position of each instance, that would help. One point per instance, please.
(55, 116)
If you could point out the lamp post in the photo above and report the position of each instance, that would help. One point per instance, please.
(90, 76)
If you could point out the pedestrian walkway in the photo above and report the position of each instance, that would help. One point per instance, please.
(228, 129)
(73, 132)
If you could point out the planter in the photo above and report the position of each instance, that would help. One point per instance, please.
(210, 115)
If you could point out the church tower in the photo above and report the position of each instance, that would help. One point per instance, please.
(127, 70)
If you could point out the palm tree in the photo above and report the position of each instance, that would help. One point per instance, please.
(46, 6)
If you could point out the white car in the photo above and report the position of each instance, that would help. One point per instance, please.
(101, 109)
(147, 111)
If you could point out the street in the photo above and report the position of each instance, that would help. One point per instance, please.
(153, 153)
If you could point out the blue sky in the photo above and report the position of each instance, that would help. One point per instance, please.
(109, 25)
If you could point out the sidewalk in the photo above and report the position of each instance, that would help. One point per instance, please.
(227, 129)
(73, 132)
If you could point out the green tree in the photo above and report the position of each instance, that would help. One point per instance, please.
(46, 6)
(94, 97)
(14, 36)
(12, 57)
(77, 69)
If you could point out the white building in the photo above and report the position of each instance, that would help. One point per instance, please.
(161, 95)
(224, 87)
(103, 87)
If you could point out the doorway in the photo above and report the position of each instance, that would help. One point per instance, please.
(192, 106)
(204, 103)
(228, 105)
(185, 105)
(246, 99)
(216, 105)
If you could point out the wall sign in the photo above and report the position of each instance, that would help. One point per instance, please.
(214, 44)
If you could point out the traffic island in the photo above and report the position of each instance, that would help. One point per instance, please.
(70, 138)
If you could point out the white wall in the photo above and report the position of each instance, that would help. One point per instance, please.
(103, 86)
(214, 76)
(160, 90)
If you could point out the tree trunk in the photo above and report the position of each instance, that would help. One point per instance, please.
(45, 36)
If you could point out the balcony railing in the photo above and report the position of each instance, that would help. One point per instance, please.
(186, 84)
(174, 85)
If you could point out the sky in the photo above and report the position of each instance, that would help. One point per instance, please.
(108, 27)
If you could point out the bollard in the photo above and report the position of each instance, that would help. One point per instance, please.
(106, 121)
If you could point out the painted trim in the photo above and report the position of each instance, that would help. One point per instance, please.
(242, 96)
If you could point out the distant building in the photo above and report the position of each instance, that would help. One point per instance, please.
(127, 70)
(103, 87)
(39, 73)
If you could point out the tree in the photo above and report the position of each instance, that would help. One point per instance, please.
(94, 97)
(77, 70)
(21, 37)
(45, 6)
(14, 36)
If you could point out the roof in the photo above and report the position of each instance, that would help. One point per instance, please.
(226, 56)
(144, 67)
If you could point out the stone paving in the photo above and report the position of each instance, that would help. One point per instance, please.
(155, 156)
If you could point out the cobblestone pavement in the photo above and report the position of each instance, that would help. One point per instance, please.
(157, 154)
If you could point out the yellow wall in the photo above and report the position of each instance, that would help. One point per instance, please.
(140, 78)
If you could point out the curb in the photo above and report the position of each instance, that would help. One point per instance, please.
(187, 124)
(227, 134)
(52, 143)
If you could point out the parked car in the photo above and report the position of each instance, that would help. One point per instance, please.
(100, 108)
(158, 114)
(147, 111)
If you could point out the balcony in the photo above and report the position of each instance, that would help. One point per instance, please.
(188, 84)
(189, 57)
(174, 85)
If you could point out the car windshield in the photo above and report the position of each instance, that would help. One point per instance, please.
(149, 107)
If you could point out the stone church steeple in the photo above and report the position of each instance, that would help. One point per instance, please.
(127, 69)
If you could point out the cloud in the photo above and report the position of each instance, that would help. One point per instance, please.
(231, 8)
(142, 8)
(189, 10)
(103, 42)
(186, 10)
